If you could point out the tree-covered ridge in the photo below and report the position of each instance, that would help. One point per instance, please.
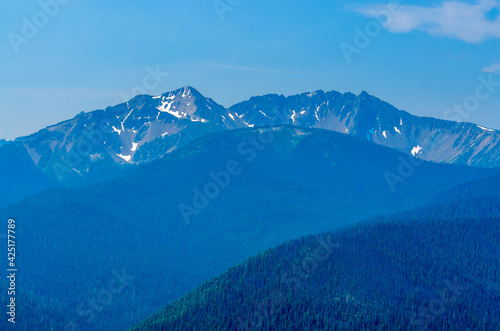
(426, 273)
(32, 313)
(294, 182)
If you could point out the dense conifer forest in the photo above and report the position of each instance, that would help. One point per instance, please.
(426, 270)
(71, 242)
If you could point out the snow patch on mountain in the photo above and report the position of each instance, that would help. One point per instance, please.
(416, 150)
(125, 157)
(485, 129)
(166, 106)
(260, 111)
(316, 113)
(249, 125)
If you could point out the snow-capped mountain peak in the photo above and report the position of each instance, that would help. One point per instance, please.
(148, 127)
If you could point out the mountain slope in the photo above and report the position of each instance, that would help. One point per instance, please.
(32, 313)
(105, 144)
(427, 274)
(19, 177)
(179, 221)
(102, 144)
(127, 133)
(370, 118)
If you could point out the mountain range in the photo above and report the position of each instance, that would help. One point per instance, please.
(101, 144)
(185, 218)
(132, 207)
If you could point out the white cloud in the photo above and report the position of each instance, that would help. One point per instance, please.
(493, 69)
(451, 19)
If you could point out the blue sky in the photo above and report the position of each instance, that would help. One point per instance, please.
(423, 57)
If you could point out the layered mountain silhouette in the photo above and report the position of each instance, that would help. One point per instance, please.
(102, 144)
(146, 128)
(429, 269)
(178, 221)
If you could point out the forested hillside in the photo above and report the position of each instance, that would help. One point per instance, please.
(33, 313)
(261, 187)
(16, 168)
(425, 273)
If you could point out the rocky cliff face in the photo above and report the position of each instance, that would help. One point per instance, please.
(370, 118)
